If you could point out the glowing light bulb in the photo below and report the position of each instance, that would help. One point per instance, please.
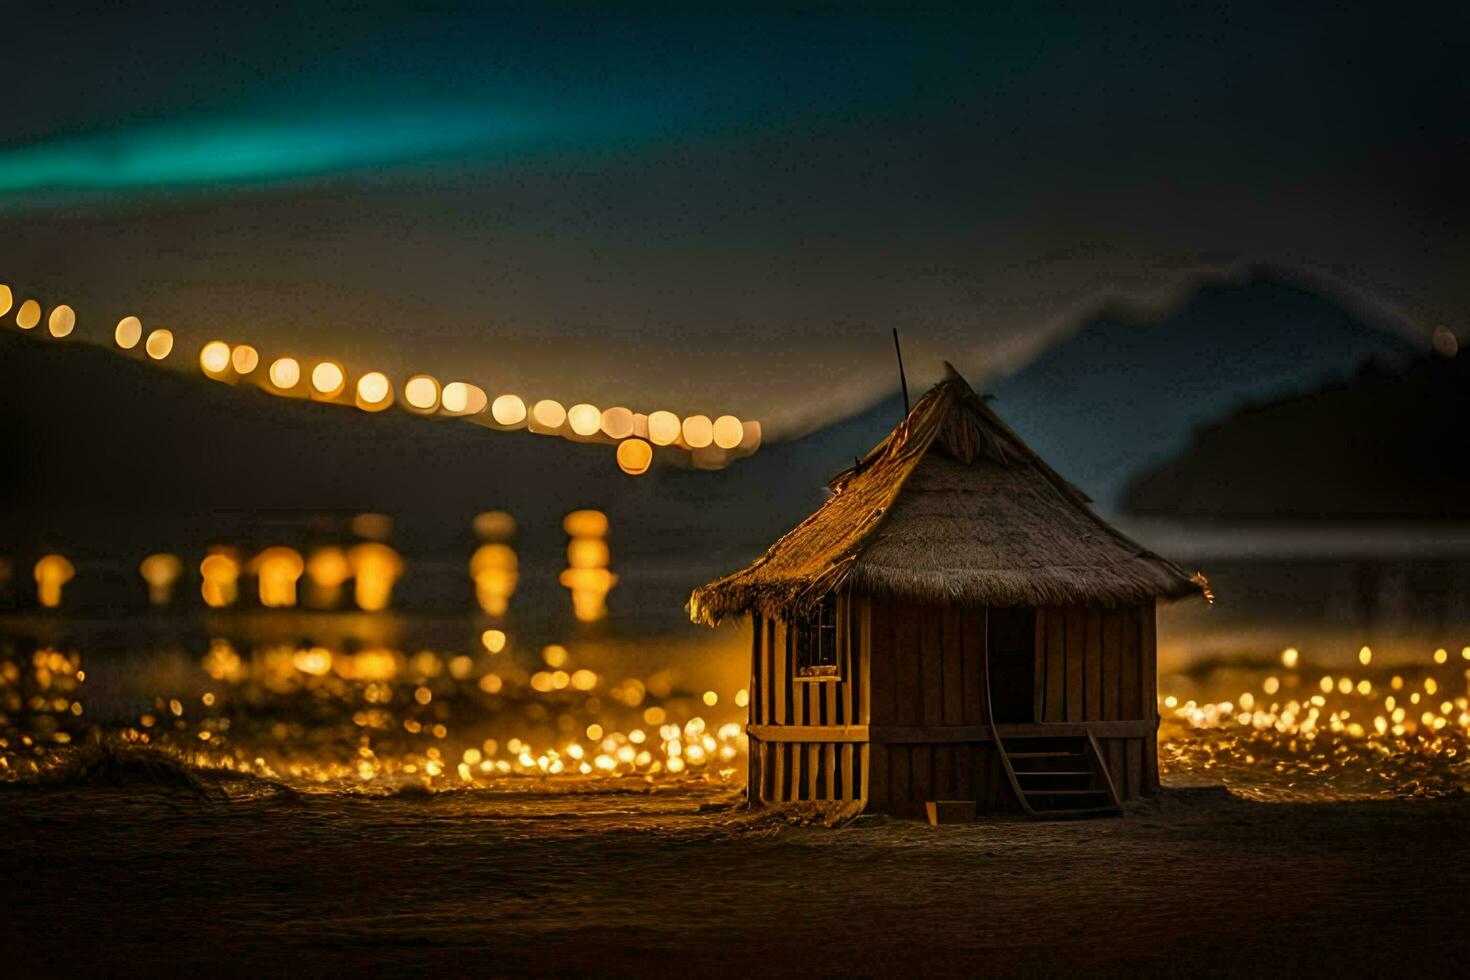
(549, 414)
(214, 357)
(422, 392)
(160, 571)
(160, 344)
(496, 572)
(285, 372)
(328, 378)
(374, 391)
(375, 567)
(128, 332)
(663, 428)
(244, 359)
(634, 456)
(728, 432)
(617, 423)
(508, 410)
(220, 573)
(584, 419)
(52, 572)
(277, 570)
(327, 568)
(698, 431)
(28, 315)
(62, 321)
(7, 299)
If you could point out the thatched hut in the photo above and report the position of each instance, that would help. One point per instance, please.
(954, 623)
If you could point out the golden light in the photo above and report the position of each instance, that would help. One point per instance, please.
(585, 524)
(494, 525)
(699, 431)
(28, 315)
(128, 332)
(285, 373)
(160, 571)
(375, 567)
(327, 568)
(374, 391)
(494, 640)
(214, 357)
(751, 440)
(7, 299)
(617, 423)
(245, 359)
(584, 419)
(663, 428)
(508, 410)
(421, 392)
(548, 413)
(634, 456)
(160, 344)
(221, 572)
(589, 588)
(587, 553)
(62, 321)
(496, 572)
(328, 378)
(374, 527)
(52, 572)
(463, 398)
(728, 432)
(276, 570)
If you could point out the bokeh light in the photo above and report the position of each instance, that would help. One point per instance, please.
(698, 431)
(634, 456)
(62, 321)
(495, 570)
(328, 378)
(326, 569)
(617, 423)
(728, 432)
(128, 332)
(28, 315)
(52, 572)
(663, 428)
(494, 525)
(285, 373)
(375, 567)
(549, 414)
(584, 419)
(373, 527)
(508, 410)
(463, 398)
(221, 572)
(374, 391)
(245, 359)
(214, 357)
(421, 392)
(7, 299)
(160, 571)
(276, 570)
(160, 344)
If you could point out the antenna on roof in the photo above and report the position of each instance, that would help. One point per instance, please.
(902, 381)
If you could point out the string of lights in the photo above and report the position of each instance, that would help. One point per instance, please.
(711, 443)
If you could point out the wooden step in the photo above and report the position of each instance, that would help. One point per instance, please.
(1065, 792)
(1055, 772)
(1045, 755)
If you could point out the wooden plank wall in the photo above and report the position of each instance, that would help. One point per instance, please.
(1098, 664)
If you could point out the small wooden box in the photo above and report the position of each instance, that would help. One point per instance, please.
(950, 811)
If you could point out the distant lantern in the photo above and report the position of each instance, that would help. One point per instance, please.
(214, 357)
(421, 392)
(663, 428)
(463, 398)
(508, 410)
(7, 299)
(495, 570)
(285, 372)
(244, 359)
(728, 432)
(160, 344)
(62, 321)
(698, 431)
(276, 570)
(328, 378)
(374, 391)
(617, 423)
(548, 413)
(160, 571)
(634, 456)
(28, 315)
(52, 572)
(221, 573)
(584, 419)
(375, 567)
(128, 332)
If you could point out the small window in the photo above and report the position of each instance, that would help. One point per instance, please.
(816, 643)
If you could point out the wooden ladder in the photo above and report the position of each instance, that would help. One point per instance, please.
(1058, 777)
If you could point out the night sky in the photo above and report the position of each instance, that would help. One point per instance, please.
(720, 213)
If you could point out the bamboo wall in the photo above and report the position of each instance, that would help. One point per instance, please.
(908, 720)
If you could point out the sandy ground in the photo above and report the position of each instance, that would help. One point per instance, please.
(155, 880)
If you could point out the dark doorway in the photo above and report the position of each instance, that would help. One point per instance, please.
(1011, 635)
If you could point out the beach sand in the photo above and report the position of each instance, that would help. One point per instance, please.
(164, 879)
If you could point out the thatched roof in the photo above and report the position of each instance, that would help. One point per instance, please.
(952, 507)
